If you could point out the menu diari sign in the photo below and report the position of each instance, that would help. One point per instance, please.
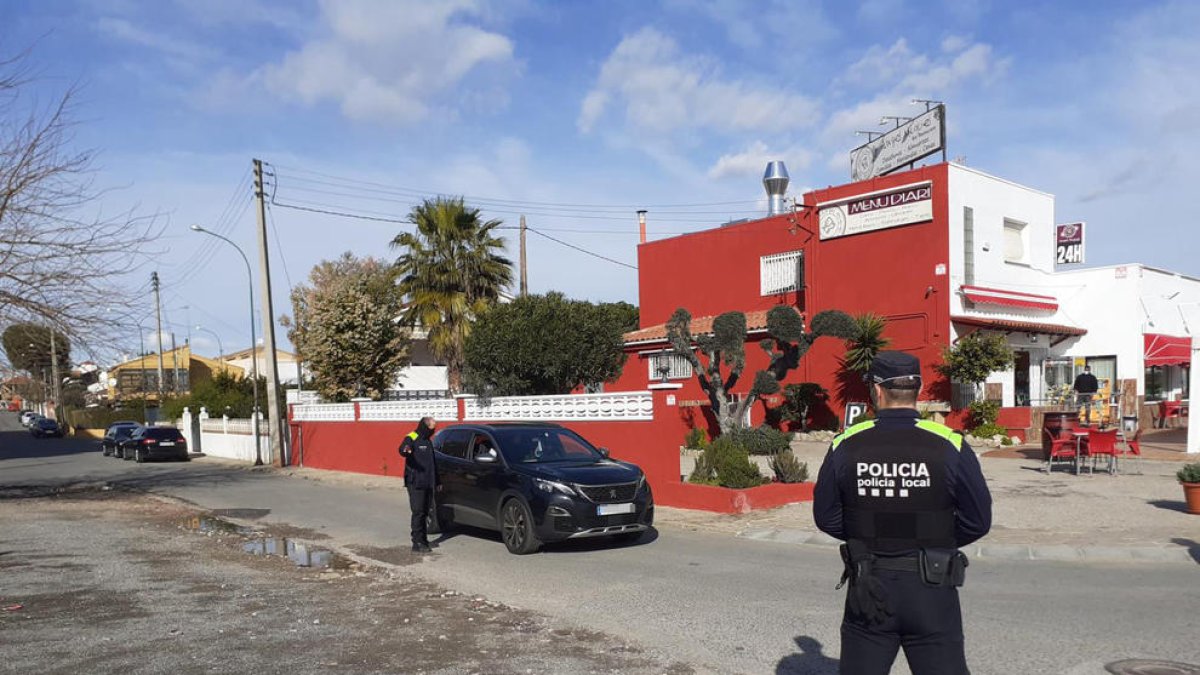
(877, 211)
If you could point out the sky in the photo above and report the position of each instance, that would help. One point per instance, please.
(576, 114)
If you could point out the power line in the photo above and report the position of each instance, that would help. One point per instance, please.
(581, 250)
(418, 192)
(279, 247)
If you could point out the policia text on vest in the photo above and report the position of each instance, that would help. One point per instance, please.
(904, 494)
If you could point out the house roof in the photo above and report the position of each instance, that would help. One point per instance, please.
(756, 321)
(1011, 326)
(245, 353)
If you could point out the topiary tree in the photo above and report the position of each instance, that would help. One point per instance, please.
(974, 358)
(726, 346)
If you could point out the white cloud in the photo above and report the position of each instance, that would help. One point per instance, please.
(754, 159)
(664, 90)
(182, 50)
(391, 61)
(750, 27)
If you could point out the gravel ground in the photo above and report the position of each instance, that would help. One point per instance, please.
(110, 582)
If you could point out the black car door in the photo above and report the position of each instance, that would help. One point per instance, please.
(450, 455)
(485, 479)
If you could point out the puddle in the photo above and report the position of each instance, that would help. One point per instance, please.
(300, 553)
(201, 524)
(303, 555)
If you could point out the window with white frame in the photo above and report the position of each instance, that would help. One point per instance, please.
(677, 367)
(1014, 242)
(781, 272)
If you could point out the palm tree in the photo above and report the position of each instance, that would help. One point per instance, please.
(868, 340)
(450, 271)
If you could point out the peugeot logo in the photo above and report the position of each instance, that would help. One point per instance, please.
(612, 494)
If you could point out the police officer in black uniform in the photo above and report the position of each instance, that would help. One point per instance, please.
(904, 494)
(421, 479)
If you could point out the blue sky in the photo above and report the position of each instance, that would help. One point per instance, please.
(578, 113)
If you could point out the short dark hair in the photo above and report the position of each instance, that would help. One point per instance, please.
(905, 397)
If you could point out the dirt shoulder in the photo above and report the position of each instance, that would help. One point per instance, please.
(107, 582)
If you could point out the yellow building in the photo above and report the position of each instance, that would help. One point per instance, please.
(138, 378)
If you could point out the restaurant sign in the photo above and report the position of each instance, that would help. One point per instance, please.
(916, 139)
(1068, 243)
(877, 211)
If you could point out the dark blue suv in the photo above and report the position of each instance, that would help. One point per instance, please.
(537, 482)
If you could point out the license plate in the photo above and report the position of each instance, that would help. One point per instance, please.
(166, 444)
(610, 509)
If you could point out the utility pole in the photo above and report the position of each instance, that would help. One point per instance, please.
(158, 321)
(54, 369)
(275, 424)
(174, 366)
(524, 267)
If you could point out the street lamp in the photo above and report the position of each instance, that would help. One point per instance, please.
(253, 340)
(218, 337)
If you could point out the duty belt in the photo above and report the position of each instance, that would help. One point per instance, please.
(908, 563)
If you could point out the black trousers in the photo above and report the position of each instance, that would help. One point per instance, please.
(420, 502)
(926, 621)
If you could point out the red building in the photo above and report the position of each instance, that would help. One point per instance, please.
(881, 246)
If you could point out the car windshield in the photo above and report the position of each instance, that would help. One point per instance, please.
(123, 432)
(162, 434)
(542, 446)
(47, 423)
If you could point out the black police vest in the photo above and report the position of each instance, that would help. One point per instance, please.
(895, 491)
(419, 469)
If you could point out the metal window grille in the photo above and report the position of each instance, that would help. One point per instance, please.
(781, 272)
(678, 367)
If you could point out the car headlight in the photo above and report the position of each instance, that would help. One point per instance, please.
(641, 482)
(553, 486)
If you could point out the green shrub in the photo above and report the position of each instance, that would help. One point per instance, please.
(761, 440)
(984, 413)
(1190, 473)
(787, 468)
(727, 464)
(989, 430)
(696, 438)
(798, 401)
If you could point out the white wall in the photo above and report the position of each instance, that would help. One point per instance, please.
(993, 200)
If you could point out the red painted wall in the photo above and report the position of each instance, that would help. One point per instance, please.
(890, 272)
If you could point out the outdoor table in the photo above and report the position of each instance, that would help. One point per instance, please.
(1079, 436)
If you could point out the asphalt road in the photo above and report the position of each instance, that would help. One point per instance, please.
(717, 602)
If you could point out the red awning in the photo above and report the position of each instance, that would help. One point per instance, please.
(1167, 350)
(995, 296)
(1008, 326)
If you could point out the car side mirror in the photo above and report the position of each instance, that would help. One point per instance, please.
(604, 452)
(487, 457)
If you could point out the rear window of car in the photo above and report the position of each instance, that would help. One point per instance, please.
(162, 434)
(47, 422)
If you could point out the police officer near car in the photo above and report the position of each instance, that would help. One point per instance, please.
(421, 479)
(904, 494)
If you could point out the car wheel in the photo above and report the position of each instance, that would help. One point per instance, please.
(125, 454)
(516, 528)
(138, 456)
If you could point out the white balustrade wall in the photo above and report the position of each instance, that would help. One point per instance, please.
(324, 412)
(627, 405)
(226, 438)
(443, 410)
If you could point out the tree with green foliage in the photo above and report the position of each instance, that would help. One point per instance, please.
(451, 271)
(225, 393)
(973, 358)
(345, 325)
(799, 400)
(726, 347)
(546, 344)
(27, 346)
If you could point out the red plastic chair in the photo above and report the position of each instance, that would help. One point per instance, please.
(1103, 443)
(1133, 446)
(1057, 448)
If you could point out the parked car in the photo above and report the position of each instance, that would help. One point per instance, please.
(537, 482)
(44, 426)
(28, 416)
(116, 432)
(147, 443)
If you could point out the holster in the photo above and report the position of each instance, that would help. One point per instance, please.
(943, 567)
(866, 596)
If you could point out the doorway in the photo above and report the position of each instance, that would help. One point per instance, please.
(1021, 379)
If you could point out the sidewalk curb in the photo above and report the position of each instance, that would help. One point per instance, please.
(1037, 552)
